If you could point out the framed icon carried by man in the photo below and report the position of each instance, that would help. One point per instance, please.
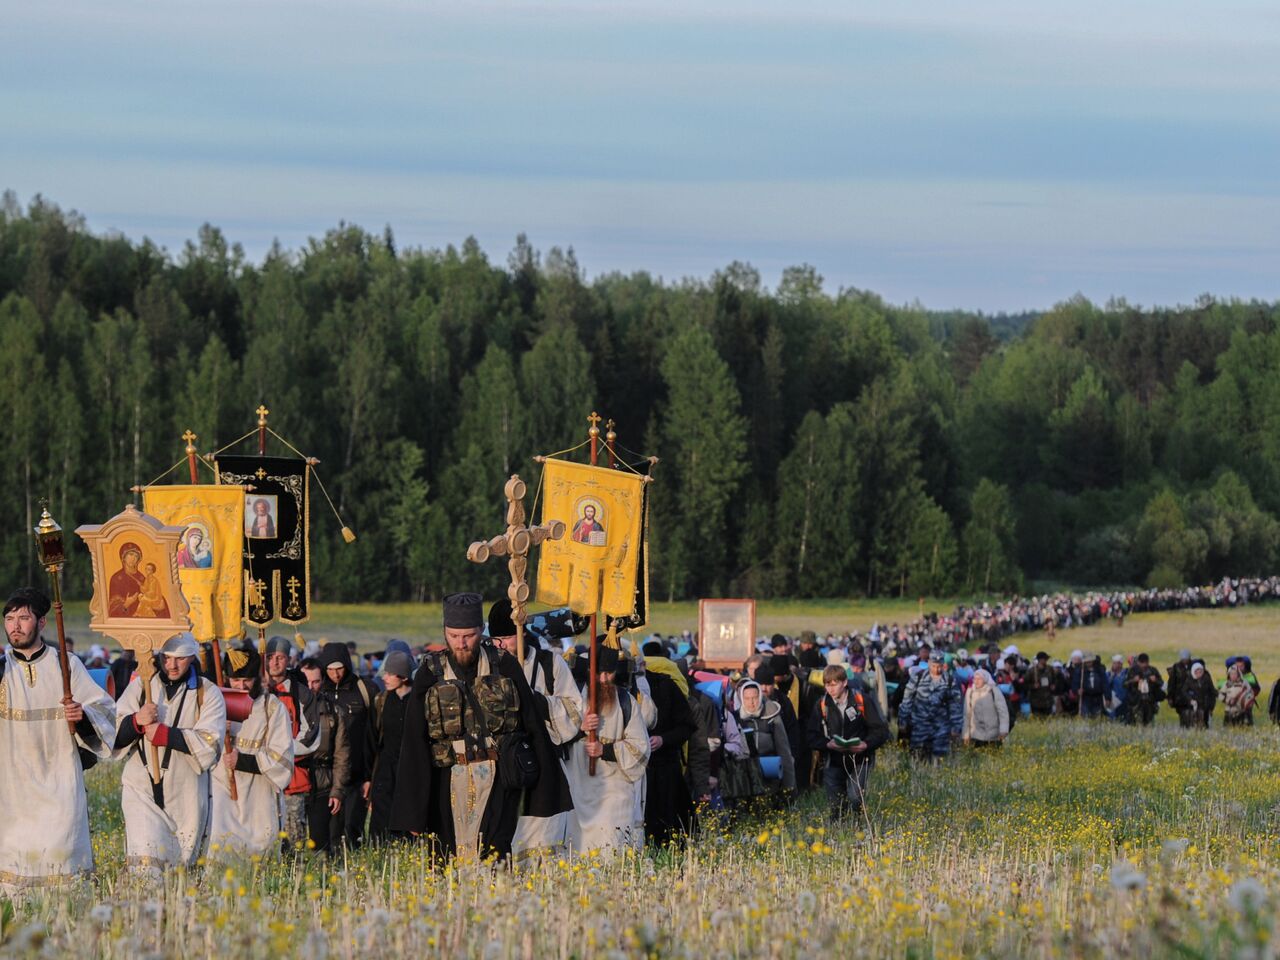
(726, 632)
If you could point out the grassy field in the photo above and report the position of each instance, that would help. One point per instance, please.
(1078, 839)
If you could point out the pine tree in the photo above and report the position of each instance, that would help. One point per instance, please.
(704, 442)
(989, 540)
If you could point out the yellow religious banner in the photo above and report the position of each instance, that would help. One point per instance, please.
(209, 553)
(592, 569)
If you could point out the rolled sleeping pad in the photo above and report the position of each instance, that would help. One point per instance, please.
(713, 690)
(706, 676)
(239, 704)
(771, 767)
(103, 678)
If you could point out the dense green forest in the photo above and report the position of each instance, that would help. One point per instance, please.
(811, 443)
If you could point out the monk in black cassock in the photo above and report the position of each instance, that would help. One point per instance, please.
(475, 753)
(668, 808)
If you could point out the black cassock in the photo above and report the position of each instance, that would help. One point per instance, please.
(668, 808)
(423, 804)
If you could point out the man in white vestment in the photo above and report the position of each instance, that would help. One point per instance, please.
(44, 839)
(167, 823)
(607, 814)
(260, 759)
(559, 705)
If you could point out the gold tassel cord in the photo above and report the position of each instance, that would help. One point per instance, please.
(348, 534)
(234, 442)
(165, 474)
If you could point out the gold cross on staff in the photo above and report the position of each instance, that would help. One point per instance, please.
(191, 439)
(262, 412)
(515, 544)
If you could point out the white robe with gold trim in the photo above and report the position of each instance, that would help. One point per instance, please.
(252, 823)
(178, 833)
(44, 829)
(607, 814)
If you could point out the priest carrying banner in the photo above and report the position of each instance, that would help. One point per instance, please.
(599, 569)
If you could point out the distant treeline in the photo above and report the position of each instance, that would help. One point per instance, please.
(811, 444)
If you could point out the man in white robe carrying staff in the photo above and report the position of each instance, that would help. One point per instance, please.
(44, 838)
(607, 814)
(166, 823)
(260, 759)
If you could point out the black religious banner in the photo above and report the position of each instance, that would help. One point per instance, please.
(277, 521)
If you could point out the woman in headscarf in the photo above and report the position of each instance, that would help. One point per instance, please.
(1238, 693)
(986, 715)
(1195, 698)
(761, 735)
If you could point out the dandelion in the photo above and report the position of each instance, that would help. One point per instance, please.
(315, 946)
(1125, 876)
(1247, 895)
(1173, 848)
(806, 902)
(101, 914)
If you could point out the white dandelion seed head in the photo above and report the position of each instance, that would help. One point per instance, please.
(1247, 895)
(1125, 876)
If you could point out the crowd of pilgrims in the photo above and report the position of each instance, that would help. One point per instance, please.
(461, 746)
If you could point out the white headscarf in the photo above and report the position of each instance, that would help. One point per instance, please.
(759, 704)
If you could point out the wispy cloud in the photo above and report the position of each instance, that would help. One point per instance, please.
(906, 147)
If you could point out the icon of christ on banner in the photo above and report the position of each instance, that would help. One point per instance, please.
(588, 529)
(276, 560)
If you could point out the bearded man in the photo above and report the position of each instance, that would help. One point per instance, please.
(44, 839)
(474, 746)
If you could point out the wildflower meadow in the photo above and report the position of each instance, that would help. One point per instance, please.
(1079, 838)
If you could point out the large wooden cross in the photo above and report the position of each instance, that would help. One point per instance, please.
(515, 544)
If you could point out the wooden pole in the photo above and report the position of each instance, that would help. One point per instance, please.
(262, 412)
(145, 673)
(229, 740)
(191, 439)
(593, 692)
(64, 662)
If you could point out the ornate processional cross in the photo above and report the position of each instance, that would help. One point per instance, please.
(515, 545)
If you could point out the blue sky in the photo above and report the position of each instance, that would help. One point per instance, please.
(990, 155)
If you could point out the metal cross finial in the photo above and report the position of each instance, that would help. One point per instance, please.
(594, 420)
(262, 412)
(191, 439)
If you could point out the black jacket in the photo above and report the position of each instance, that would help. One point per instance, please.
(860, 718)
